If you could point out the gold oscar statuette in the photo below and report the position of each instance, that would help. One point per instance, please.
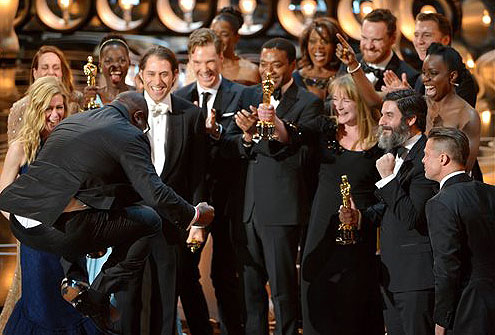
(194, 245)
(266, 129)
(90, 71)
(346, 233)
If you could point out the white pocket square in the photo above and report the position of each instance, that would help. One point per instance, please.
(228, 114)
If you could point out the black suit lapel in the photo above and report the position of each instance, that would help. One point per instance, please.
(223, 99)
(174, 140)
(288, 101)
(407, 165)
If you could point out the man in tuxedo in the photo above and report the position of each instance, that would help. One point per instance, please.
(178, 151)
(97, 164)
(407, 262)
(219, 99)
(272, 202)
(461, 225)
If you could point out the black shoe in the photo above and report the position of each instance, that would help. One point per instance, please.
(90, 303)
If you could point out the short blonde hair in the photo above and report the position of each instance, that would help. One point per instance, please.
(40, 94)
(367, 118)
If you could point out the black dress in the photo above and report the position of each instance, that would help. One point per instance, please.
(339, 284)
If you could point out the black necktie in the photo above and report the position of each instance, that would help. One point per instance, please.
(377, 72)
(204, 103)
(399, 151)
(277, 94)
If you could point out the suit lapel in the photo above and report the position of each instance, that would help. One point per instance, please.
(175, 133)
(223, 99)
(408, 161)
(288, 101)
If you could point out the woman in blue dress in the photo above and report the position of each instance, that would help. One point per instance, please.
(41, 309)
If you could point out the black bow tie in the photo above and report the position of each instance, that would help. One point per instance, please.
(368, 69)
(277, 94)
(399, 151)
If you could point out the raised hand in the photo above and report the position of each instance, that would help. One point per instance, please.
(247, 121)
(349, 215)
(90, 92)
(345, 53)
(212, 127)
(206, 214)
(393, 83)
(385, 165)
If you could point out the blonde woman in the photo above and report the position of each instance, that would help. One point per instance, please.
(41, 309)
(339, 285)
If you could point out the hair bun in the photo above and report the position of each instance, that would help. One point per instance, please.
(233, 12)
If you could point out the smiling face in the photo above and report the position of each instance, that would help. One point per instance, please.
(54, 113)
(158, 77)
(207, 65)
(48, 65)
(276, 62)
(229, 38)
(393, 129)
(437, 78)
(320, 49)
(426, 33)
(345, 108)
(115, 64)
(376, 43)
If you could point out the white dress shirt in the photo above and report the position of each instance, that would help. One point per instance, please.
(399, 160)
(274, 102)
(213, 91)
(157, 119)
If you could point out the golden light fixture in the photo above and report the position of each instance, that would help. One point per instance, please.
(308, 9)
(187, 6)
(247, 8)
(470, 62)
(486, 19)
(428, 9)
(64, 6)
(486, 117)
(366, 7)
(127, 6)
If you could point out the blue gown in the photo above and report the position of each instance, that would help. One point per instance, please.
(41, 310)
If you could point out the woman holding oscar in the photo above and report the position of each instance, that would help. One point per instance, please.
(339, 284)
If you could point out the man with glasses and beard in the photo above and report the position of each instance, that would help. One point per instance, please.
(407, 261)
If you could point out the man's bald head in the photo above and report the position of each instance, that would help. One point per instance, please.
(136, 107)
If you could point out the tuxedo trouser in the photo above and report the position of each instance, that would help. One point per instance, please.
(225, 279)
(268, 253)
(77, 233)
(409, 313)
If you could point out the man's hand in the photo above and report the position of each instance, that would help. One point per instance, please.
(247, 122)
(212, 127)
(439, 330)
(385, 165)
(346, 54)
(393, 83)
(349, 215)
(267, 113)
(196, 233)
(206, 214)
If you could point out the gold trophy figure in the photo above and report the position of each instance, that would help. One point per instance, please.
(90, 71)
(266, 129)
(194, 245)
(346, 233)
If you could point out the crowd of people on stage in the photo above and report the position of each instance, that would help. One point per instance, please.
(112, 206)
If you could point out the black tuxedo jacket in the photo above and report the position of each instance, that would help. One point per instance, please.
(185, 151)
(461, 220)
(404, 242)
(276, 182)
(99, 157)
(222, 173)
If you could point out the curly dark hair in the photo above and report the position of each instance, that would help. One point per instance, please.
(232, 15)
(332, 27)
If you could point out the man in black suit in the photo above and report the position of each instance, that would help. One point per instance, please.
(178, 151)
(273, 202)
(219, 99)
(461, 221)
(407, 262)
(99, 163)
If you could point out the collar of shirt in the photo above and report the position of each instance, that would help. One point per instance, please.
(411, 142)
(158, 131)
(167, 102)
(213, 91)
(450, 175)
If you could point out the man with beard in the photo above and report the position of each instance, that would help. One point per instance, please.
(407, 261)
